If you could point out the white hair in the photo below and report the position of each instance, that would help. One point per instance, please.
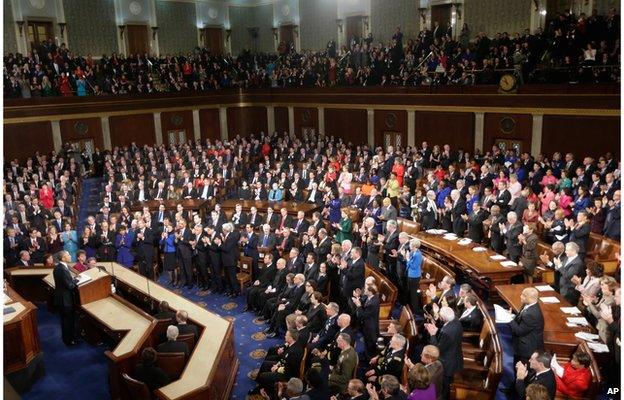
(172, 332)
(447, 314)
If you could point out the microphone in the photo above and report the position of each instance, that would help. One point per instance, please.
(149, 295)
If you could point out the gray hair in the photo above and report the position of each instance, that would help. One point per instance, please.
(227, 227)
(172, 332)
(414, 244)
(391, 223)
(294, 386)
(572, 246)
(447, 314)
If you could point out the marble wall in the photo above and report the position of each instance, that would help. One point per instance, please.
(9, 40)
(385, 19)
(492, 16)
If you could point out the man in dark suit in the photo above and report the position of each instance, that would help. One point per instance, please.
(201, 256)
(286, 306)
(189, 192)
(229, 257)
(352, 274)
(540, 373)
(35, 245)
(503, 197)
(183, 239)
(579, 232)
(471, 318)
(458, 209)
(329, 330)
(391, 245)
(184, 327)
(164, 312)
(314, 195)
(160, 192)
(310, 268)
(239, 218)
(612, 228)
(300, 225)
(568, 267)
(448, 341)
(172, 345)
(475, 222)
(147, 372)
(527, 328)
(254, 219)
(359, 200)
(367, 312)
(322, 246)
(64, 286)
(144, 243)
(286, 367)
(511, 232)
(265, 278)
(11, 248)
(284, 220)
(271, 219)
(267, 240)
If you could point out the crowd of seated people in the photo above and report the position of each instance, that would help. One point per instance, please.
(310, 282)
(572, 49)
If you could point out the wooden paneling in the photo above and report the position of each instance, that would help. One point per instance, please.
(245, 121)
(209, 124)
(281, 119)
(456, 129)
(390, 121)
(305, 118)
(580, 135)
(80, 129)
(493, 129)
(177, 121)
(350, 125)
(125, 130)
(137, 40)
(23, 140)
(213, 40)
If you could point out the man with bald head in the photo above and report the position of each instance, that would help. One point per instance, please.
(527, 328)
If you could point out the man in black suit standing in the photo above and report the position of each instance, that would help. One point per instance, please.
(527, 328)
(64, 286)
(367, 312)
(144, 243)
(511, 233)
(229, 257)
(448, 341)
(351, 274)
(457, 211)
(322, 245)
(475, 222)
(183, 238)
(35, 245)
(571, 265)
(540, 373)
(471, 318)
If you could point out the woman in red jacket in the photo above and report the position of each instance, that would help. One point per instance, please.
(46, 196)
(575, 377)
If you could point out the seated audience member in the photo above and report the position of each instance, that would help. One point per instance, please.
(390, 361)
(419, 384)
(172, 345)
(286, 367)
(24, 259)
(535, 391)
(147, 371)
(538, 371)
(183, 325)
(390, 389)
(80, 265)
(164, 312)
(575, 377)
(346, 365)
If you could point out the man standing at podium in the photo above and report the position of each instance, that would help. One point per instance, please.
(64, 286)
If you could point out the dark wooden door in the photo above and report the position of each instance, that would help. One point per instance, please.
(39, 32)
(287, 35)
(138, 42)
(213, 40)
(354, 27)
(441, 14)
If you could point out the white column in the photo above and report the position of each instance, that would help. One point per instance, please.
(411, 128)
(370, 126)
(223, 123)
(478, 130)
(106, 138)
(158, 128)
(56, 136)
(196, 125)
(536, 136)
(321, 120)
(291, 120)
(271, 119)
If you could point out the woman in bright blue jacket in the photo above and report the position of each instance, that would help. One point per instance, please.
(69, 237)
(414, 271)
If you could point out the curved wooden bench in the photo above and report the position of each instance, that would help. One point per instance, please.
(387, 292)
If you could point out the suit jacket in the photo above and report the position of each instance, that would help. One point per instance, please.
(436, 373)
(240, 220)
(352, 277)
(323, 249)
(328, 331)
(270, 241)
(527, 331)
(513, 245)
(447, 341)
(173, 346)
(459, 225)
(546, 379)
(303, 226)
(473, 321)
(502, 200)
(229, 250)
(566, 287)
(580, 237)
(64, 286)
(611, 227)
(475, 225)
(184, 247)
(291, 360)
(311, 271)
(255, 220)
(187, 328)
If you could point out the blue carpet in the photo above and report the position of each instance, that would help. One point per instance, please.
(89, 200)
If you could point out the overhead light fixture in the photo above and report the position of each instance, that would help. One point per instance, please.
(543, 12)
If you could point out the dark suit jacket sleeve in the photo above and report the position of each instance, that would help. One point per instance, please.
(529, 323)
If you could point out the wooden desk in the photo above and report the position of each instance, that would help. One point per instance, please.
(228, 206)
(211, 369)
(23, 361)
(188, 204)
(477, 265)
(558, 337)
(27, 282)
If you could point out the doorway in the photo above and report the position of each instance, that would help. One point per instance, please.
(393, 139)
(39, 32)
(213, 40)
(137, 39)
(441, 14)
(354, 28)
(509, 144)
(176, 137)
(83, 145)
(308, 131)
(287, 35)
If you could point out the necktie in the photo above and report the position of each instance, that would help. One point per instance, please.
(265, 241)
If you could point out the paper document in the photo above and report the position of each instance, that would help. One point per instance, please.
(508, 264)
(598, 347)
(498, 257)
(465, 242)
(554, 364)
(550, 300)
(545, 288)
(83, 278)
(502, 316)
(578, 321)
(436, 231)
(570, 310)
(589, 337)
(479, 249)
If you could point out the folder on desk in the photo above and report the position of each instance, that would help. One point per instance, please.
(549, 300)
(570, 310)
(498, 257)
(508, 264)
(578, 321)
(8, 310)
(82, 279)
(544, 288)
(589, 337)
(598, 347)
